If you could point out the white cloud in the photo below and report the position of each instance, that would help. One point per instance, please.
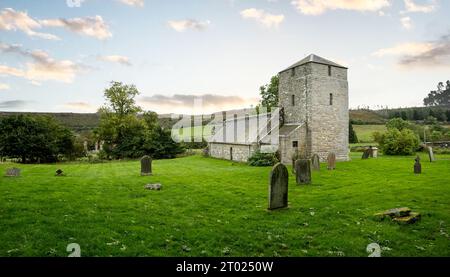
(406, 23)
(4, 86)
(89, 26)
(183, 25)
(265, 18)
(412, 7)
(429, 54)
(317, 7)
(116, 59)
(11, 20)
(134, 3)
(412, 48)
(41, 68)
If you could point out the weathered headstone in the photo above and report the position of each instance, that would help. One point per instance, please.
(59, 173)
(366, 154)
(431, 154)
(153, 186)
(12, 172)
(303, 171)
(278, 187)
(331, 159)
(315, 162)
(417, 166)
(146, 166)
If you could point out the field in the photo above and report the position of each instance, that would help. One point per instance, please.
(210, 207)
(364, 132)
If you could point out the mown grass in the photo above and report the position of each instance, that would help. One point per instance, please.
(210, 207)
(364, 132)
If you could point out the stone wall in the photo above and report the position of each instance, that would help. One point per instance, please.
(241, 152)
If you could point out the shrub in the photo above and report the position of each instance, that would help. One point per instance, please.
(395, 142)
(262, 159)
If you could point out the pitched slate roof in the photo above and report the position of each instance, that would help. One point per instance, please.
(314, 59)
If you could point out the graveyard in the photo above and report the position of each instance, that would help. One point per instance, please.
(212, 207)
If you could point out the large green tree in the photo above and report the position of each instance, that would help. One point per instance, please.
(269, 93)
(439, 97)
(35, 138)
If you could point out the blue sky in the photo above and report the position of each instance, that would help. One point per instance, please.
(55, 56)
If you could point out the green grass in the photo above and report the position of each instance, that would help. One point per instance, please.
(210, 207)
(364, 132)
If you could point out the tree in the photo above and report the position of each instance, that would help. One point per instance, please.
(398, 123)
(352, 137)
(269, 93)
(395, 142)
(35, 138)
(439, 97)
(159, 144)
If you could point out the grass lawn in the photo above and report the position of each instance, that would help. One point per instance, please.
(364, 132)
(211, 207)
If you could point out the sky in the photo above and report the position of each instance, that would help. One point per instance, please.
(60, 55)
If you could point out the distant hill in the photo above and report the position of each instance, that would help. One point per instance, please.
(366, 117)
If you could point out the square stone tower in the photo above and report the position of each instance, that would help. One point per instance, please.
(313, 94)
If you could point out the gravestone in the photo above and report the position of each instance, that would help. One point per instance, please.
(278, 187)
(12, 172)
(303, 171)
(331, 159)
(315, 162)
(431, 154)
(417, 166)
(153, 186)
(366, 154)
(59, 173)
(146, 166)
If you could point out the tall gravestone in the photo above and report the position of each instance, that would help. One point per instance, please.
(417, 166)
(303, 171)
(146, 166)
(431, 154)
(278, 187)
(315, 162)
(331, 161)
(366, 154)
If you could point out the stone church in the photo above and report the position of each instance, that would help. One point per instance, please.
(313, 117)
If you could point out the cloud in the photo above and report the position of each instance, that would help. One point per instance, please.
(93, 26)
(429, 54)
(4, 86)
(406, 23)
(12, 104)
(265, 18)
(116, 59)
(134, 3)
(317, 7)
(82, 106)
(183, 25)
(11, 20)
(412, 7)
(185, 102)
(42, 67)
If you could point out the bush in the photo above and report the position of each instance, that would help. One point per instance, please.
(395, 142)
(263, 159)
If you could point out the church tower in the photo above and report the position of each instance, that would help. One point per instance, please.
(313, 94)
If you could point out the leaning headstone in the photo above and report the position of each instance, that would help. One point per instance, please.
(146, 166)
(366, 154)
(153, 186)
(59, 173)
(315, 162)
(417, 166)
(431, 154)
(331, 159)
(278, 187)
(12, 172)
(303, 171)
